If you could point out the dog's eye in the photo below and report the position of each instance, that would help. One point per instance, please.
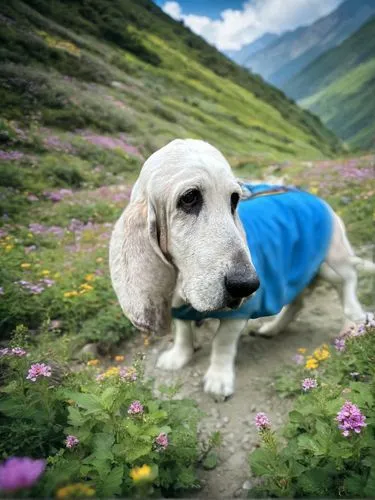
(234, 199)
(191, 201)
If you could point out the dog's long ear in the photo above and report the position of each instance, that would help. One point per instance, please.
(141, 276)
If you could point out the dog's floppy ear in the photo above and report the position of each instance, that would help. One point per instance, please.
(141, 276)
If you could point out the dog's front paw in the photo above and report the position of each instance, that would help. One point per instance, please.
(174, 359)
(268, 329)
(219, 382)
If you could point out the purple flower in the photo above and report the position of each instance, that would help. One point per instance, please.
(128, 374)
(309, 383)
(340, 344)
(298, 359)
(162, 441)
(20, 472)
(136, 408)
(18, 351)
(262, 421)
(350, 419)
(10, 155)
(71, 441)
(38, 370)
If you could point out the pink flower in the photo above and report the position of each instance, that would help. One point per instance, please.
(38, 370)
(161, 441)
(128, 374)
(20, 472)
(71, 441)
(298, 359)
(309, 383)
(350, 419)
(262, 421)
(340, 344)
(18, 351)
(136, 408)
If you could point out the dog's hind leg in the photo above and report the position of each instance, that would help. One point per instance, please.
(282, 320)
(339, 269)
(182, 350)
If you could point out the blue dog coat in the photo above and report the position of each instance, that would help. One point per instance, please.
(288, 232)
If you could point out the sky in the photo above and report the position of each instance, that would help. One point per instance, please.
(231, 24)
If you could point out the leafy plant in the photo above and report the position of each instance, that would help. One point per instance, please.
(329, 441)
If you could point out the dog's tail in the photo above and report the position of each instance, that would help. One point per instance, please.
(363, 264)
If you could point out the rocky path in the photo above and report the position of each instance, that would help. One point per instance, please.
(257, 361)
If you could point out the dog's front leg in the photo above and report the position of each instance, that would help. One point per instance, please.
(220, 376)
(182, 350)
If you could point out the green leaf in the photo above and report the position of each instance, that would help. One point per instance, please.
(137, 450)
(111, 485)
(103, 443)
(75, 417)
(210, 462)
(88, 402)
(108, 397)
(262, 462)
(369, 490)
(354, 485)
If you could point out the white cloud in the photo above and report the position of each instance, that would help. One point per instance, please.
(236, 28)
(173, 9)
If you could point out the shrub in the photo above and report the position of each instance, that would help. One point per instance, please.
(97, 426)
(330, 435)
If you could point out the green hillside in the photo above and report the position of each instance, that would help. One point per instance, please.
(340, 87)
(125, 67)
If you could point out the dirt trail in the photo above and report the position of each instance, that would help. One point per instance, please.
(257, 361)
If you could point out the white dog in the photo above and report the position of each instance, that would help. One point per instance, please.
(181, 242)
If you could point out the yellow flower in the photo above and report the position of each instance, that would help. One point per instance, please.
(70, 294)
(8, 248)
(321, 353)
(30, 235)
(25, 265)
(86, 287)
(140, 473)
(113, 371)
(119, 358)
(57, 275)
(77, 490)
(302, 350)
(93, 362)
(314, 190)
(99, 260)
(311, 363)
(45, 272)
(90, 277)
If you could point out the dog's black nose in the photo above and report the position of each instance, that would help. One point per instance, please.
(240, 284)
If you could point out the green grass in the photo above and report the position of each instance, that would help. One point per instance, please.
(125, 66)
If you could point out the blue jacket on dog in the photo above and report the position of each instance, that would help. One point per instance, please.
(288, 232)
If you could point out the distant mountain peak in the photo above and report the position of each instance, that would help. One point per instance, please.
(280, 60)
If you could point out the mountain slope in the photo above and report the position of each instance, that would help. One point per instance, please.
(120, 66)
(242, 56)
(340, 87)
(294, 50)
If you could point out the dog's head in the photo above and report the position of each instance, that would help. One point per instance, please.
(181, 226)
